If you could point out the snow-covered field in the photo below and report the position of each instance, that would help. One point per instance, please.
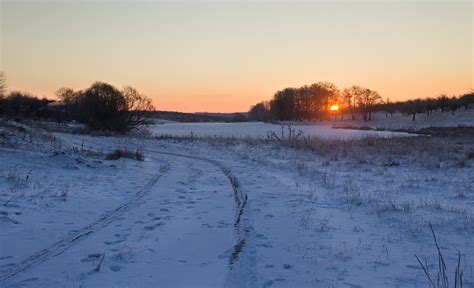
(321, 130)
(382, 120)
(233, 213)
(262, 130)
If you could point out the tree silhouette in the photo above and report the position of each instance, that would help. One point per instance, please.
(467, 99)
(136, 106)
(66, 95)
(350, 96)
(102, 107)
(366, 101)
(260, 112)
(3, 85)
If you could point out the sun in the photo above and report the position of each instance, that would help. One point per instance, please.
(334, 108)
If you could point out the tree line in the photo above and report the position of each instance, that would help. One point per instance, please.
(442, 103)
(101, 106)
(322, 100)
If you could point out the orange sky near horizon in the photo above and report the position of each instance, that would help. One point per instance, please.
(224, 57)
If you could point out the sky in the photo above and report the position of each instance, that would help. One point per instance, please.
(201, 56)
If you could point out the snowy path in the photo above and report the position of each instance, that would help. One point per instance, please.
(242, 258)
(192, 223)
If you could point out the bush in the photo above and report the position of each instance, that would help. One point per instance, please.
(117, 154)
(103, 107)
(19, 104)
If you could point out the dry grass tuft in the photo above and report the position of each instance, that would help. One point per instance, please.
(442, 279)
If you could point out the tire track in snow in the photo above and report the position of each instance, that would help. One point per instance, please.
(67, 242)
(242, 260)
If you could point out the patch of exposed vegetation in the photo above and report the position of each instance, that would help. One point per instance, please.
(119, 153)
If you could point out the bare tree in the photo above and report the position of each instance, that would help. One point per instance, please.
(351, 96)
(259, 112)
(66, 95)
(323, 93)
(467, 99)
(411, 107)
(137, 106)
(283, 104)
(443, 100)
(367, 100)
(102, 107)
(454, 104)
(3, 85)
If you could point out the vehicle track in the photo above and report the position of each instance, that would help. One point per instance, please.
(70, 240)
(242, 232)
(243, 224)
(243, 229)
(244, 274)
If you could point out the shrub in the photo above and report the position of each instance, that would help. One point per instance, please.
(117, 154)
(103, 107)
(19, 104)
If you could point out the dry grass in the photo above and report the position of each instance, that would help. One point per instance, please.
(442, 279)
(427, 151)
(448, 147)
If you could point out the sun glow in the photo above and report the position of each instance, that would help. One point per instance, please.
(334, 108)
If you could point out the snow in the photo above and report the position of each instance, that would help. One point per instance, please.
(322, 130)
(262, 130)
(382, 120)
(159, 241)
(226, 213)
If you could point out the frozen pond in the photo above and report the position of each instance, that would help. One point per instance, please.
(262, 130)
